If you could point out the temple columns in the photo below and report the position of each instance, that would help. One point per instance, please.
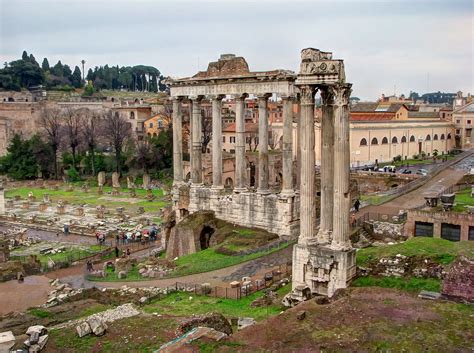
(342, 197)
(196, 145)
(217, 142)
(287, 153)
(307, 214)
(263, 145)
(240, 165)
(177, 141)
(327, 166)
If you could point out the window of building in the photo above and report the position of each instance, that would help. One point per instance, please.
(458, 121)
(363, 142)
(435, 137)
(223, 139)
(404, 139)
(428, 137)
(160, 124)
(394, 139)
(449, 136)
(458, 132)
(468, 132)
(150, 125)
(374, 141)
(442, 136)
(132, 115)
(232, 139)
(469, 122)
(384, 141)
(412, 138)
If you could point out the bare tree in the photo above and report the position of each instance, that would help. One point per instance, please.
(252, 140)
(143, 155)
(117, 130)
(91, 131)
(50, 121)
(275, 138)
(73, 118)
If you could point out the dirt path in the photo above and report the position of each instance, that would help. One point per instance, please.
(16, 296)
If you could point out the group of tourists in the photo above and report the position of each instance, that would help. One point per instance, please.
(137, 235)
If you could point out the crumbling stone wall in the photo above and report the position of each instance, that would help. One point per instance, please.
(459, 280)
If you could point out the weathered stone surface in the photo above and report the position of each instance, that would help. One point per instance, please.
(115, 180)
(459, 281)
(424, 294)
(97, 326)
(83, 329)
(244, 322)
(101, 179)
(216, 321)
(301, 315)
(37, 328)
(7, 341)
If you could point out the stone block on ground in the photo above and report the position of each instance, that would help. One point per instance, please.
(244, 322)
(83, 329)
(7, 341)
(98, 327)
(37, 328)
(424, 294)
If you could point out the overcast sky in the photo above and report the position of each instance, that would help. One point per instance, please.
(388, 46)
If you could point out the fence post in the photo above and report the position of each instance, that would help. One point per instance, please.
(226, 292)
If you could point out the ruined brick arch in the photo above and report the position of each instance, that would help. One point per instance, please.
(205, 236)
(229, 183)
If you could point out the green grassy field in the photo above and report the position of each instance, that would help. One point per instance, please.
(180, 305)
(463, 199)
(439, 250)
(78, 197)
(408, 284)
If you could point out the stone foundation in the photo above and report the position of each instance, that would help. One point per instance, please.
(322, 269)
(275, 214)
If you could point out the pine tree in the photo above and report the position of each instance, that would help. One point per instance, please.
(45, 65)
(76, 78)
(24, 56)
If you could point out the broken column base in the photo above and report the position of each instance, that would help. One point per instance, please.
(322, 269)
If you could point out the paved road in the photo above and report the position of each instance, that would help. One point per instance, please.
(446, 178)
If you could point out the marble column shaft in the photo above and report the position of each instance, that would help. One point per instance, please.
(327, 167)
(287, 155)
(307, 209)
(217, 142)
(196, 124)
(240, 165)
(263, 145)
(177, 141)
(342, 197)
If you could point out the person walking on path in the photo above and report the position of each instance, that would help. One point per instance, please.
(357, 205)
(116, 251)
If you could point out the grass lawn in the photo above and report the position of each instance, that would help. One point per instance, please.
(427, 160)
(408, 284)
(463, 199)
(227, 307)
(375, 199)
(439, 250)
(112, 276)
(78, 197)
(209, 260)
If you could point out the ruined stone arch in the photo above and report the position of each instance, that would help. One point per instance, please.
(229, 183)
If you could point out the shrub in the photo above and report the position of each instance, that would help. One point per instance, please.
(73, 174)
(397, 158)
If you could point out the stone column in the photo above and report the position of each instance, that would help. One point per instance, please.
(307, 210)
(287, 158)
(177, 141)
(298, 146)
(240, 165)
(217, 142)
(327, 166)
(196, 135)
(263, 145)
(342, 197)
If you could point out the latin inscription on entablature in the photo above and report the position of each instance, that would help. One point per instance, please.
(279, 87)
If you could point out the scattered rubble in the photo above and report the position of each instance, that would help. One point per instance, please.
(244, 322)
(216, 321)
(60, 293)
(7, 341)
(37, 338)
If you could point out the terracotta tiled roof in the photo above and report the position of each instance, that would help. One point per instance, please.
(371, 116)
(427, 115)
(364, 107)
(249, 127)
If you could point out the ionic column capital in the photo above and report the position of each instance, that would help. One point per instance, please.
(264, 96)
(240, 96)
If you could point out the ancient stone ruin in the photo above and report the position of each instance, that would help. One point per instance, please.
(323, 261)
